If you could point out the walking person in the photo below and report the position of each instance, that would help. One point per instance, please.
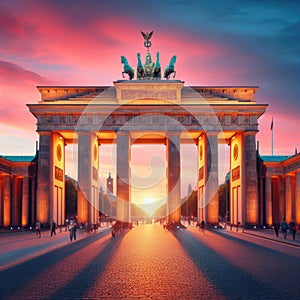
(276, 227)
(53, 228)
(73, 232)
(38, 228)
(293, 228)
(284, 228)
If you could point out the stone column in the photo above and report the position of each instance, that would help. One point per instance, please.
(123, 176)
(44, 178)
(14, 201)
(268, 199)
(25, 201)
(211, 185)
(288, 198)
(173, 176)
(297, 198)
(250, 190)
(7, 202)
(85, 171)
(201, 180)
(282, 208)
(1, 199)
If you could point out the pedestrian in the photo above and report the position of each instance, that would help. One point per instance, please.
(67, 225)
(293, 228)
(276, 227)
(53, 228)
(73, 232)
(38, 228)
(284, 228)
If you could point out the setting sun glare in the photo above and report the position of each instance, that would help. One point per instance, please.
(148, 200)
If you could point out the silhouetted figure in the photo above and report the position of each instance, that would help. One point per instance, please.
(53, 228)
(293, 228)
(284, 228)
(38, 228)
(276, 228)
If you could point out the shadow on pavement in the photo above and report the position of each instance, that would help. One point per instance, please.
(230, 280)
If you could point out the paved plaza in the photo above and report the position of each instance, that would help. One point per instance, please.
(149, 263)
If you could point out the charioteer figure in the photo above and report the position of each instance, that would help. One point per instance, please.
(149, 70)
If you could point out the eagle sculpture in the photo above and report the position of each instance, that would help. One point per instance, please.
(147, 36)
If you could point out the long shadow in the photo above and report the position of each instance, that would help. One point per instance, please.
(230, 280)
(250, 244)
(15, 278)
(81, 284)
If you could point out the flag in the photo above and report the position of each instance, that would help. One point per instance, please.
(272, 124)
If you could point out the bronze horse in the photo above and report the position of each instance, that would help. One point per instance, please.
(170, 68)
(157, 69)
(127, 69)
(140, 73)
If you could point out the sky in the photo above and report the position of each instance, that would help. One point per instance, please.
(64, 42)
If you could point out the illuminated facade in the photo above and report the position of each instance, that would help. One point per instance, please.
(17, 190)
(262, 189)
(279, 188)
(148, 111)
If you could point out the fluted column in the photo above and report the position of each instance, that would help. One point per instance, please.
(211, 185)
(25, 201)
(201, 180)
(15, 209)
(269, 209)
(123, 176)
(288, 198)
(250, 190)
(87, 177)
(173, 176)
(1, 199)
(282, 208)
(297, 198)
(7, 202)
(44, 178)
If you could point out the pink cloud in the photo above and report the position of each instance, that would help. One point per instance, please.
(57, 48)
(18, 87)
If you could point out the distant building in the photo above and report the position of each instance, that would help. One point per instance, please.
(109, 184)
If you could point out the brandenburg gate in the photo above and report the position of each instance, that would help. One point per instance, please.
(148, 109)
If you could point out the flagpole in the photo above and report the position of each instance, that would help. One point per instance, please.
(272, 128)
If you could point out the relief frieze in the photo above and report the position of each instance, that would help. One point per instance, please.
(59, 174)
(236, 173)
(147, 94)
(201, 173)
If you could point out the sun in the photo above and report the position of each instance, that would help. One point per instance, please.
(148, 200)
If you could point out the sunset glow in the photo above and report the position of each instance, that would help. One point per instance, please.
(68, 43)
(148, 200)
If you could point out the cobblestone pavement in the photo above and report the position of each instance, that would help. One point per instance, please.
(149, 263)
(16, 247)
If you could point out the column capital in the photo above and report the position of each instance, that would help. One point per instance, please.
(252, 132)
(45, 133)
(173, 133)
(83, 133)
(212, 133)
(123, 133)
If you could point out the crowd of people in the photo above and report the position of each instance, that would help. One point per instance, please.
(284, 226)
